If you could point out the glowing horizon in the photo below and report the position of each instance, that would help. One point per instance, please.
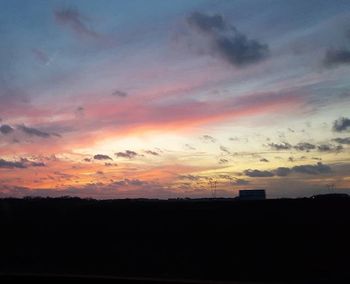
(118, 99)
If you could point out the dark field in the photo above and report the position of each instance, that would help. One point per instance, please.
(295, 241)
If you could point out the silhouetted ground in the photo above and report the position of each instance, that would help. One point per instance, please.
(273, 240)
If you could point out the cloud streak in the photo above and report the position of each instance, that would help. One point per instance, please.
(75, 21)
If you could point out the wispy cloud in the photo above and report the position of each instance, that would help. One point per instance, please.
(119, 93)
(75, 21)
(34, 132)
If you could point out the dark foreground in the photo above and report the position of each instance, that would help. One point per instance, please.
(283, 241)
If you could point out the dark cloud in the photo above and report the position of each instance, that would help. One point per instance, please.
(239, 181)
(224, 149)
(127, 154)
(73, 19)
(319, 168)
(223, 161)
(208, 138)
(226, 41)
(335, 57)
(283, 146)
(205, 23)
(21, 164)
(342, 140)
(264, 160)
(258, 173)
(329, 148)
(119, 93)
(111, 164)
(102, 157)
(35, 132)
(153, 153)
(37, 164)
(304, 146)
(6, 129)
(11, 165)
(341, 124)
(238, 139)
(87, 160)
(133, 182)
(282, 171)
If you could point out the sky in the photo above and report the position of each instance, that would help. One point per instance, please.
(174, 98)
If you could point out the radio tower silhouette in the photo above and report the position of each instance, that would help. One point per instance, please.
(331, 187)
(212, 184)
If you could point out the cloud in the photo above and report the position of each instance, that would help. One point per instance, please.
(329, 148)
(111, 165)
(73, 19)
(341, 124)
(127, 154)
(319, 168)
(304, 146)
(335, 57)
(223, 161)
(283, 146)
(11, 165)
(28, 163)
(6, 129)
(239, 181)
(102, 157)
(224, 149)
(135, 182)
(226, 41)
(153, 153)
(282, 171)
(258, 173)
(190, 147)
(189, 177)
(34, 132)
(119, 93)
(208, 138)
(22, 164)
(342, 140)
(264, 160)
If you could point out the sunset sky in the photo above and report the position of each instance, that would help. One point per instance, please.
(159, 98)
